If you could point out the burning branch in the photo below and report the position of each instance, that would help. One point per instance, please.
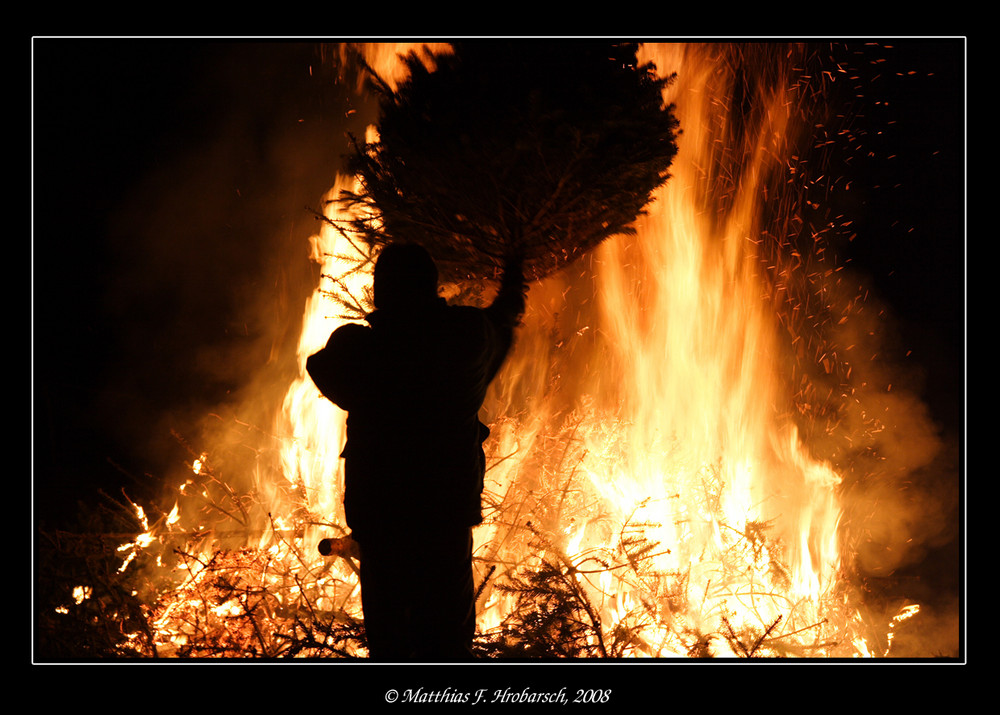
(554, 617)
(360, 260)
(748, 642)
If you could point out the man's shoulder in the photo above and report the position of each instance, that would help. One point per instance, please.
(349, 336)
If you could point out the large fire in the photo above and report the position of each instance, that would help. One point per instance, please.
(650, 491)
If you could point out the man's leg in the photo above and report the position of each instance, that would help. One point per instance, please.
(385, 604)
(444, 609)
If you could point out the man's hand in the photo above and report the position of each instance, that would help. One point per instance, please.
(510, 300)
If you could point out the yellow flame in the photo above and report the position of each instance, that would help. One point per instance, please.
(643, 414)
(683, 414)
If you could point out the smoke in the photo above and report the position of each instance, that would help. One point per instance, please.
(901, 493)
(891, 410)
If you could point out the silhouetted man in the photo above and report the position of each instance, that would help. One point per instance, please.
(412, 382)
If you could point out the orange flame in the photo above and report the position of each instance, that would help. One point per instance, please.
(641, 430)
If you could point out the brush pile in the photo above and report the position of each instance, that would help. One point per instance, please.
(531, 149)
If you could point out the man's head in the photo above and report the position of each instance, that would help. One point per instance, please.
(405, 276)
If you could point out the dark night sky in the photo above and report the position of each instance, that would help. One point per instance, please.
(170, 183)
(911, 225)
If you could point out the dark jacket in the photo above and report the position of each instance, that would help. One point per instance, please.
(412, 382)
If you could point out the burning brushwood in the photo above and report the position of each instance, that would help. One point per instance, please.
(677, 515)
(527, 148)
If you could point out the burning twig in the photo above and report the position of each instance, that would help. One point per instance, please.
(738, 644)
